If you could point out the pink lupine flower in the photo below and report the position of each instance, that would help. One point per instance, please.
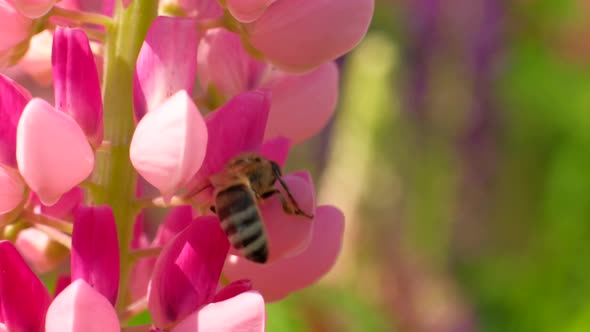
(166, 63)
(37, 61)
(78, 97)
(20, 27)
(12, 189)
(33, 8)
(298, 35)
(277, 280)
(301, 105)
(238, 126)
(249, 10)
(185, 280)
(23, 297)
(39, 250)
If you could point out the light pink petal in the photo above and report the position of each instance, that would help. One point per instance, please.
(11, 20)
(23, 298)
(302, 104)
(76, 84)
(247, 10)
(276, 149)
(298, 35)
(243, 313)
(12, 189)
(169, 144)
(166, 63)
(223, 64)
(235, 288)
(187, 272)
(196, 9)
(3, 328)
(95, 250)
(52, 151)
(177, 219)
(13, 101)
(39, 250)
(79, 308)
(289, 234)
(33, 8)
(277, 280)
(235, 127)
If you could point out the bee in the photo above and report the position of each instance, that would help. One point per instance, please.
(246, 180)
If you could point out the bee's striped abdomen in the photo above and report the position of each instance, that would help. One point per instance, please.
(240, 219)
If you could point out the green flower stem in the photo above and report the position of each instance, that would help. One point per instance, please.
(114, 172)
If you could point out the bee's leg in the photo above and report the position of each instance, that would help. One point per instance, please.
(212, 208)
(287, 206)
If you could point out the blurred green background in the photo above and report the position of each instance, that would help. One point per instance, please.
(460, 155)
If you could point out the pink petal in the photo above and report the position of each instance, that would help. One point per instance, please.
(23, 298)
(12, 189)
(166, 63)
(76, 84)
(3, 328)
(39, 250)
(298, 35)
(224, 65)
(235, 127)
(302, 105)
(33, 8)
(80, 308)
(169, 144)
(13, 101)
(187, 272)
(289, 234)
(277, 280)
(42, 134)
(11, 20)
(247, 10)
(276, 149)
(233, 289)
(243, 313)
(95, 250)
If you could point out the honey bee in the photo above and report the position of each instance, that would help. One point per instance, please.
(246, 180)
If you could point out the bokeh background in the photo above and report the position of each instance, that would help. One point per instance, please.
(460, 154)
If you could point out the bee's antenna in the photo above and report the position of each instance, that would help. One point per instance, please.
(277, 170)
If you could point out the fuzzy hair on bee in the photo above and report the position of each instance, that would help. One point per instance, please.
(247, 179)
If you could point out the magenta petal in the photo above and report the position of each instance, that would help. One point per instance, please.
(68, 203)
(52, 151)
(187, 271)
(235, 288)
(289, 234)
(169, 144)
(302, 104)
(166, 63)
(62, 282)
(276, 149)
(235, 127)
(76, 84)
(13, 101)
(12, 189)
(80, 308)
(243, 313)
(23, 298)
(225, 65)
(279, 279)
(95, 250)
